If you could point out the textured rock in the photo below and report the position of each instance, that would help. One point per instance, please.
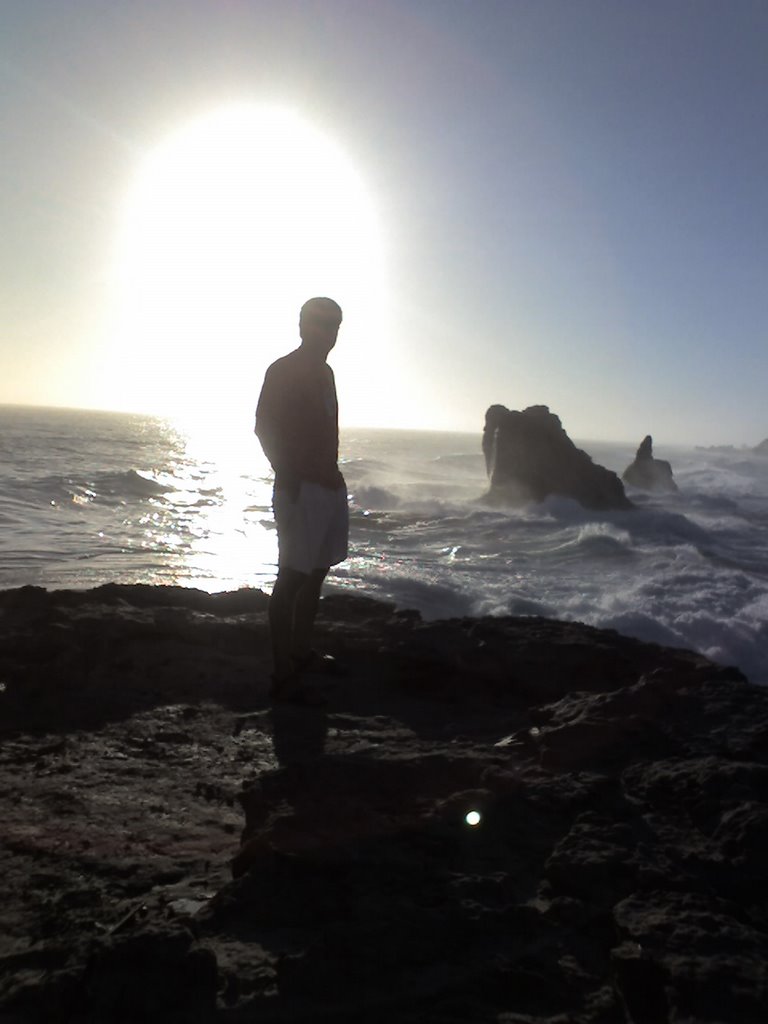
(529, 456)
(174, 850)
(647, 473)
(690, 956)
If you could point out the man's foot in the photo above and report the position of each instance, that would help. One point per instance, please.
(323, 664)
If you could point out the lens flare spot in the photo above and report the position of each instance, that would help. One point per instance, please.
(473, 818)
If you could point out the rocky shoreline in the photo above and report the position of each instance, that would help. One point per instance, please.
(175, 849)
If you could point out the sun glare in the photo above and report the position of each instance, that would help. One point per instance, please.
(231, 224)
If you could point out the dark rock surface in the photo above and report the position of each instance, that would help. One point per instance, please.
(173, 849)
(647, 473)
(529, 456)
(762, 448)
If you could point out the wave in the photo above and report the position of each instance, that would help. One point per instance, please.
(110, 487)
(372, 498)
(430, 596)
(598, 540)
(131, 484)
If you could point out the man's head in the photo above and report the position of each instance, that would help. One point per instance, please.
(319, 323)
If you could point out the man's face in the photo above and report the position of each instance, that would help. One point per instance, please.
(319, 330)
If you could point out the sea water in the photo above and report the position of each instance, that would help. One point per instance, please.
(88, 498)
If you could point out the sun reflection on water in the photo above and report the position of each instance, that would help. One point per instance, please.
(213, 519)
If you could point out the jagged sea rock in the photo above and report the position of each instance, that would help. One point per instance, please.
(529, 456)
(647, 473)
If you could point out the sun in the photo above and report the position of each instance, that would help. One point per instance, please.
(231, 223)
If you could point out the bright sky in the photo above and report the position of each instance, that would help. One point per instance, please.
(515, 201)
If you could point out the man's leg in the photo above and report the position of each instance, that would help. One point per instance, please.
(305, 612)
(282, 608)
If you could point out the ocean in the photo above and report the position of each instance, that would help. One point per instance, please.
(92, 497)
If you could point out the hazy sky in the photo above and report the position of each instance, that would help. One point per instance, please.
(547, 201)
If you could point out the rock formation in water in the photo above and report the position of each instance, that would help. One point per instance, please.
(614, 871)
(647, 473)
(762, 448)
(529, 456)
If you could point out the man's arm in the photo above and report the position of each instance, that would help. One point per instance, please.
(280, 429)
(267, 426)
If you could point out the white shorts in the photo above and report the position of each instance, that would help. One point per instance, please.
(313, 530)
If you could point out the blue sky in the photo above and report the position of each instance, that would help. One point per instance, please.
(572, 196)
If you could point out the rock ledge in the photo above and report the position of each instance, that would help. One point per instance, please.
(173, 849)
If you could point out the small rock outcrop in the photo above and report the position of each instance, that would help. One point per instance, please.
(529, 456)
(762, 448)
(647, 473)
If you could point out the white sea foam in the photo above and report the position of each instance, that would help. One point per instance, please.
(688, 569)
(88, 498)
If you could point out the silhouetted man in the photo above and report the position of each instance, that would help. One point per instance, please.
(297, 425)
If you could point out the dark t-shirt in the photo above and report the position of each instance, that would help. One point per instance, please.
(297, 421)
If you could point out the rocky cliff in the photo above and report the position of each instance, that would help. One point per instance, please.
(490, 820)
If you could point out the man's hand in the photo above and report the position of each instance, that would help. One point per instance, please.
(333, 481)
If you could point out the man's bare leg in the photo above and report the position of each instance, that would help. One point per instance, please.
(282, 607)
(305, 612)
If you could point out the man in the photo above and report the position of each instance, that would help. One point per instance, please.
(297, 425)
